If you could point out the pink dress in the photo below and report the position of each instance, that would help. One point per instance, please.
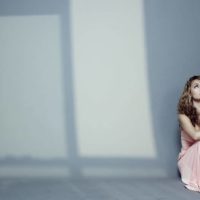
(189, 162)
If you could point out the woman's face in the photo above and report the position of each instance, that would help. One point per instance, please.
(195, 89)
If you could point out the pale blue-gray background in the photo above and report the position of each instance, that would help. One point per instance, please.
(172, 44)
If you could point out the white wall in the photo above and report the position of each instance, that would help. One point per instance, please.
(78, 80)
(111, 96)
(111, 83)
(31, 103)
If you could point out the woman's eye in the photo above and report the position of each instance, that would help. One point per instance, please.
(195, 86)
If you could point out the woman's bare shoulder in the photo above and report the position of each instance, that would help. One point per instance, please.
(187, 125)
(183, 117)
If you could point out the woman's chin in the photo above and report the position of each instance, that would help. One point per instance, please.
(196, 99)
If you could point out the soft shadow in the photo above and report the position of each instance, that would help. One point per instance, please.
(172, 40)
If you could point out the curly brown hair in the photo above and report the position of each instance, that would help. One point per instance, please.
(185, 104)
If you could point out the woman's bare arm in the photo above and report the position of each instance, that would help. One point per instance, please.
(187, 126)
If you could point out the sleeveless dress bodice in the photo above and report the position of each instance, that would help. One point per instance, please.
(186, 142)
(188, 162)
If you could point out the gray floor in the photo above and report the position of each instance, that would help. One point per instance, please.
(94, 189)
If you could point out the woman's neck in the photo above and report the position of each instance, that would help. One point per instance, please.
(196, 103)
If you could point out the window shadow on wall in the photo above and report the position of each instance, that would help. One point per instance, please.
(167, 61)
